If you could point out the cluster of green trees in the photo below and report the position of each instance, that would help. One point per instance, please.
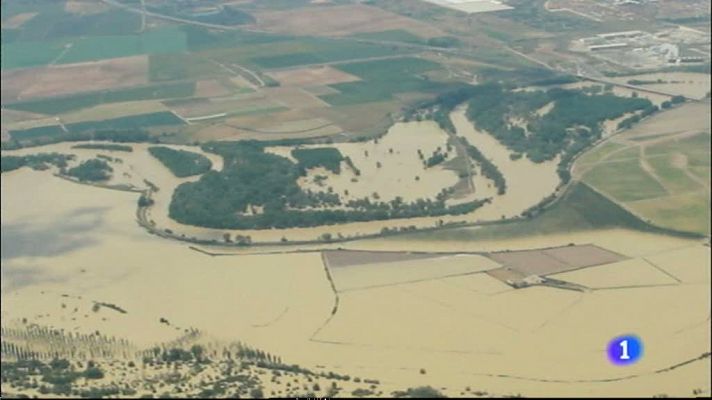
(94, 170)
(488, 169)
(56, 376)
(104, 146)
(439, 108)
(574, 114)
(436, 158)
(114, 135)
(673, 101)
(252, 177)
(327, 157)
(34, 161)
(634, 119)
(422, 392)
(573, 123)
(181, 163)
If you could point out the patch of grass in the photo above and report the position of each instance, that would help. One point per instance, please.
(158, 41)
(317, 50)
(20, 54)
(172, 67)
(200, 38)
(29, 54)
(580, 209)
(689, 212)
(599, 153)
(392, 35)
(692, 144)
(286, 60)
(140, 121)
(387, 70)
(33, 133)
(357, 92)
(289, 52)
(632, 152)
(381, 79)
(675, 179)
(103, 146)
(624, 181)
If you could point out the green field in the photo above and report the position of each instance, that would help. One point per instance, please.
(689, 212)
(59, 105)
(624, 181)
(285, 52)
(381, 79)
(200, 38)
(599, 153)
(386, 70)
(393, 35)
(53, 22)
(580, 209)
(20, 54)
(627, 154)
(182, 66)
(132, 122)
(675, 179)
(33, 133)
(692, 144)
(141, 121)
(682, 166)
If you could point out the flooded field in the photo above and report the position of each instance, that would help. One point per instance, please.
(385, 169)
(688, 84)
(527, 182)
(390, 167)
(66, 246)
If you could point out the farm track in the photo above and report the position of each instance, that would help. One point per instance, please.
(325, 262)
(255, 78)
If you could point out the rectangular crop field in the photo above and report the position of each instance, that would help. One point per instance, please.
(59, 105)
(141, 121)
(80, 49)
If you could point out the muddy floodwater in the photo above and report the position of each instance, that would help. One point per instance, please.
(66, 246)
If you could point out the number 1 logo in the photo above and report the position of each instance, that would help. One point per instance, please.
(625, 350)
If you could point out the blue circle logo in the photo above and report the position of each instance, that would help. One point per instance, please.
(625, 350)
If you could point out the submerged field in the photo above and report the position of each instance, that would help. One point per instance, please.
(421, 202)
(366, 337)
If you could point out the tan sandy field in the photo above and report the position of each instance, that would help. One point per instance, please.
(58, 80)
(210, 88)
(309, 76)
(336, 20)
(465, 330)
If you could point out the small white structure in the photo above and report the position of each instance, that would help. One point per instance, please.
(472, 6)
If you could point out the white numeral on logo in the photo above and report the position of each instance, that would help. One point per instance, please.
(624, 355)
